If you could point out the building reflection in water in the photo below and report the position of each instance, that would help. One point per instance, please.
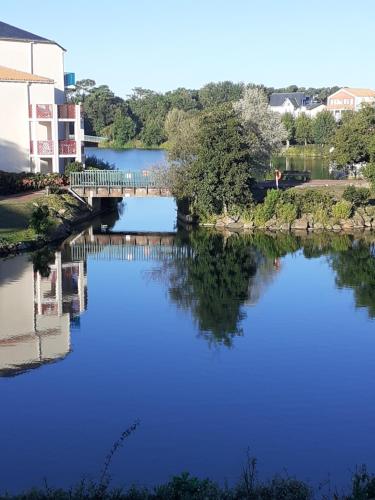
(36, 311)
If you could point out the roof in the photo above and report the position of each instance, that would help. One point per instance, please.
(360, 92)
(314, 105)
(9, 32)
(13, 75)
(278, 98)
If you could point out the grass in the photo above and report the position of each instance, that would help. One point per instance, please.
(15, 214)
(14, 220)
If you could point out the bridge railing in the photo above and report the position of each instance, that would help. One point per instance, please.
(115, 179)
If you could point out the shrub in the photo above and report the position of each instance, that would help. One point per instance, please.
(287, 212)
(369, 173)
(311, 200)
(342, 210)
(321, 215)
(356, 196)
(73, 166)
(261, 214)
(40, 221)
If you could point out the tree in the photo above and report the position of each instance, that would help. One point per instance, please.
(304, 130)
(265, 130)
(81, 89)
(289, 123)
(214, 94)
(219, 175)
(354, 139)
(123, 128)
(100, 107)
(153, 132)
(324, 127)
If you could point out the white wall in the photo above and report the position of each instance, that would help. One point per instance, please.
(48, 61)
(16, 55)
(14, 127)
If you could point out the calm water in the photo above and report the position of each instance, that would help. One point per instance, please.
(217, 344)
(137, 159)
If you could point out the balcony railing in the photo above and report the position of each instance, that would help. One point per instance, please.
(66, 111)
(67, 147)
(45, 148)
(44, 111)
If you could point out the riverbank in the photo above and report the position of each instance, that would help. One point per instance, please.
(16, 235)
(335, 207)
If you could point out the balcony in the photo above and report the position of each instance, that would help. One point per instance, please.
(67, 147)
(44, 111)
(66, 111)
(45, 148)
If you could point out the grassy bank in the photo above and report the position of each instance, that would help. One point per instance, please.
(309, 151)
(15, 213)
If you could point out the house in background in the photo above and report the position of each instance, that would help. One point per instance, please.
(349, 99)
(295, 103)
(39, 130)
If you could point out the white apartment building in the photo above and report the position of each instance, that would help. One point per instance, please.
(39, 131)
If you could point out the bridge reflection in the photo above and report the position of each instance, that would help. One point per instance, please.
(128, 247)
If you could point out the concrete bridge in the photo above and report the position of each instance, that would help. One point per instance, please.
(128, 247)
(97, 184)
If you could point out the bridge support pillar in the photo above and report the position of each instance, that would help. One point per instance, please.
(95, 203)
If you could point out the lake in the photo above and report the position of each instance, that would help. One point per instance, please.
(217, 343)
(138, 159)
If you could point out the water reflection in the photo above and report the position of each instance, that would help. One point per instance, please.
(39, 298)
(213, 276)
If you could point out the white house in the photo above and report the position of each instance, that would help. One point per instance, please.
(294, 103)
(39, 131)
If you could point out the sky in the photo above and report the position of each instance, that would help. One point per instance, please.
(165, 44)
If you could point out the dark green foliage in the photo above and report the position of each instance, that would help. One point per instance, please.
(40, 220)
(356, 196)
(214, 283)
(214, 94)
(304, 129)
(290, 125)
(99, 109)
(323, 127)
(123, 128)
(73, 166)
(354, 140)
(220, 177)
(369, 173)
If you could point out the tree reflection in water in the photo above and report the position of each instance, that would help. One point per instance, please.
(216, 281)
(224, 273)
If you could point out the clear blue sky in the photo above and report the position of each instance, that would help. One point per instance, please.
(165, 44)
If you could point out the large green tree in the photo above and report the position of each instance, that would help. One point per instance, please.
(304, 130)
(100, 107)
(220, 174)
(289, 123)
(213, 94)
(354, 140)
(324, 127)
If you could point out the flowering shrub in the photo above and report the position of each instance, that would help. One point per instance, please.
(11, 183)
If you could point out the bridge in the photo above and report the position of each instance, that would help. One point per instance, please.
(96, 184)
(128, 247)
